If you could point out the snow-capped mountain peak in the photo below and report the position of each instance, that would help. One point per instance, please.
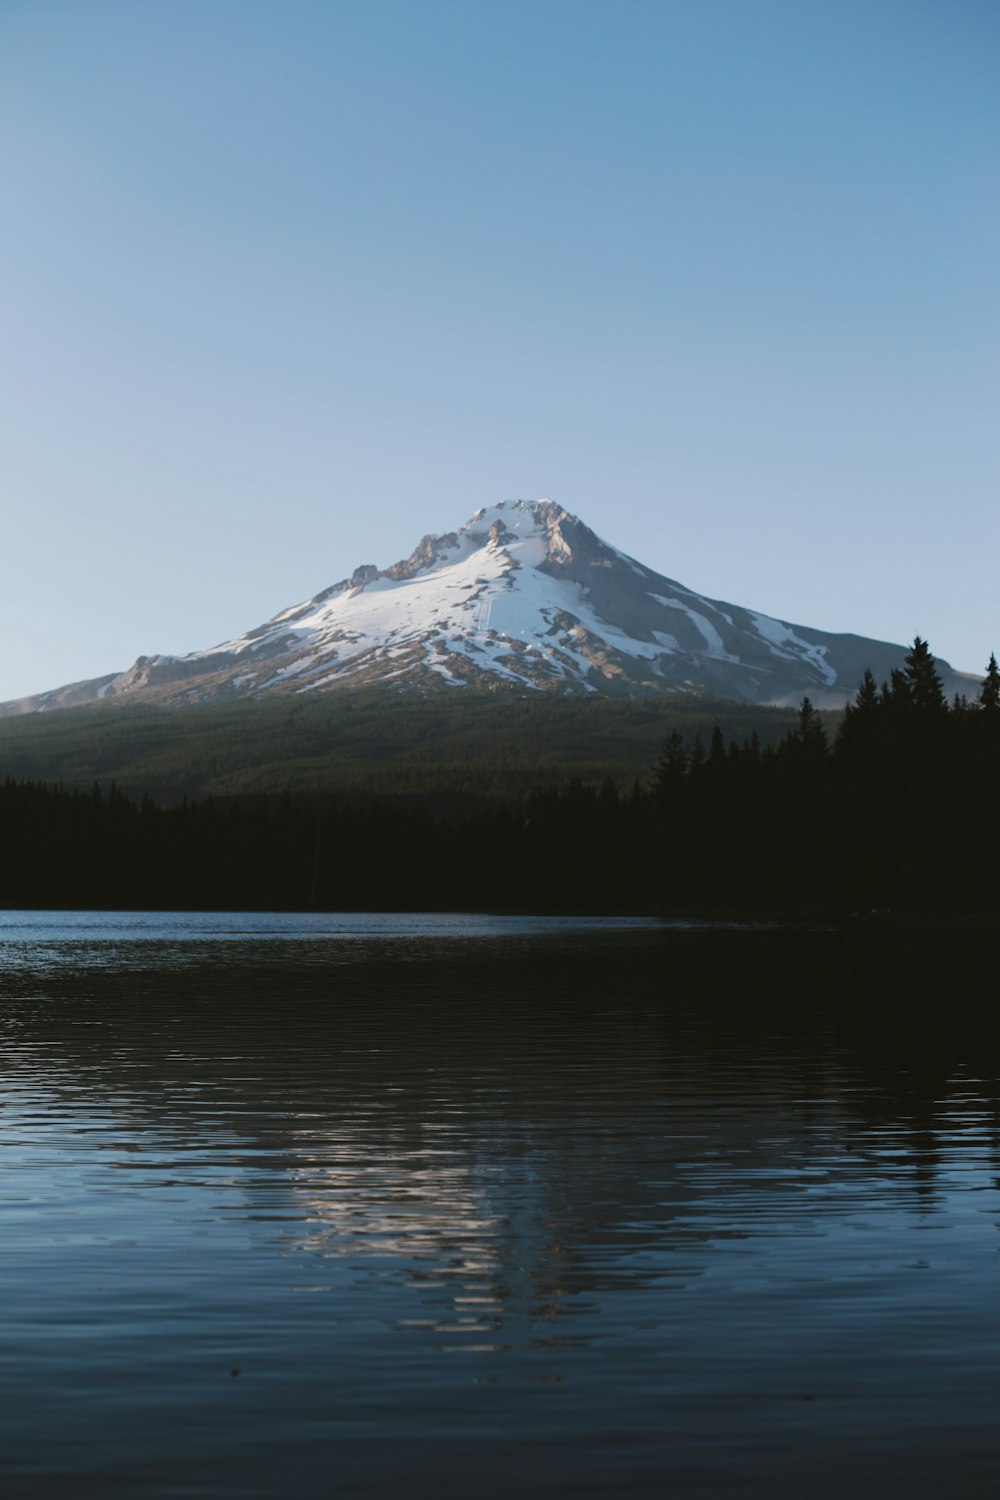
(523, 593)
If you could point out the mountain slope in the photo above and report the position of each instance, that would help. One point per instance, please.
(523, 593)
(451, 748)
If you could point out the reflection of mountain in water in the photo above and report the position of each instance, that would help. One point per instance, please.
(513, 1128)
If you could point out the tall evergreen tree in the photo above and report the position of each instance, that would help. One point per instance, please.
(671, 768)
(895, 694)
(716, 752)
(811, 731)
(861, 720)
(989, 697)
(866, 699)
(922, 678)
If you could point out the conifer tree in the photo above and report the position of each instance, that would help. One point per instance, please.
(811, 731)
(866, 699)
(861, 721)
(895, 693)
(989, 697)
(920, 671)
(671, 768)
(716, 752)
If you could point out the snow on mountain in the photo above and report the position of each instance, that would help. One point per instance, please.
(524, 593)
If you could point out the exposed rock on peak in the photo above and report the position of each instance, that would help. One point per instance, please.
(424, 555)
(367, 573)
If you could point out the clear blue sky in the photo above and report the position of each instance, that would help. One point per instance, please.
(285, 285)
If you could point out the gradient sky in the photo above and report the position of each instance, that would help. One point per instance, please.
(286, 285)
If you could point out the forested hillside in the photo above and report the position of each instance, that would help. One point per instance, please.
(454, 745)
(899, 813)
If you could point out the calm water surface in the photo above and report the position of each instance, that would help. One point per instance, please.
(373, 1206)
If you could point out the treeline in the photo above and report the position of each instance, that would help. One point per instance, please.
(576, 850)
(898, 812)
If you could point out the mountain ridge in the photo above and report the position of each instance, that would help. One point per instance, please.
(524, 593)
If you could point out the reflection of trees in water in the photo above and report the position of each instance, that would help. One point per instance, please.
(515, 1128)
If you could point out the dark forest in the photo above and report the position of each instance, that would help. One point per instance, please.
(896, 813)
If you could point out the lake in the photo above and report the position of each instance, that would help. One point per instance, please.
(375, 1206)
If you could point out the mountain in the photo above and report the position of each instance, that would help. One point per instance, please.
(525, 594)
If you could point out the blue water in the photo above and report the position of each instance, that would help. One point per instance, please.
(382, 1205)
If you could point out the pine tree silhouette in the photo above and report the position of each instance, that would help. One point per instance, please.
(989, 697)
(921, 674)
